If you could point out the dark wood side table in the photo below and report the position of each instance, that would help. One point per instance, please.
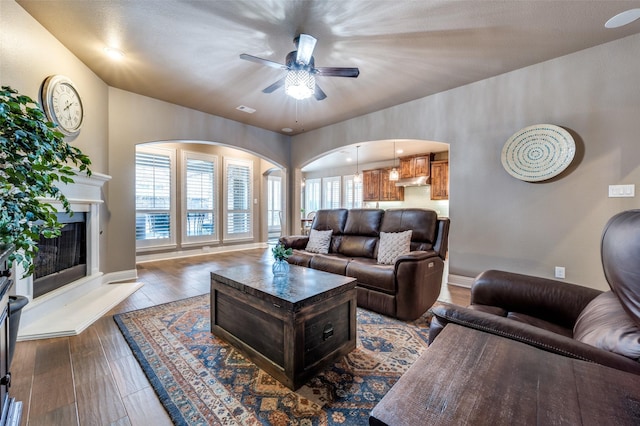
(10, 409)
(469, 377)
(290, 327)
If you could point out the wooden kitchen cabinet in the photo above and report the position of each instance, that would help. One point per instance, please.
(407, 167)
(370, 185)
(440, 180)
(422, 165)
(377, 187)
(415, 166)
(388, 189)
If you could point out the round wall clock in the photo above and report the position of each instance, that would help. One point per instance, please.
(62, 104)
(538, 152)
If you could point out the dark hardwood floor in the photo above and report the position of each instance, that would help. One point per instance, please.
(93, 378)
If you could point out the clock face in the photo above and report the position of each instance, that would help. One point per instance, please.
(62, 104)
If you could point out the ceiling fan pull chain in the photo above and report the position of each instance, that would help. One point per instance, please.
(299, 121)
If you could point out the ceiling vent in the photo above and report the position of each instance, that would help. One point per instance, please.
(246, 109)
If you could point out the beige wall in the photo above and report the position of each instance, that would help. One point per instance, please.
(496, 220)
(29, 54)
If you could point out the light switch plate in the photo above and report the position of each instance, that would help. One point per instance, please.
(616, 191)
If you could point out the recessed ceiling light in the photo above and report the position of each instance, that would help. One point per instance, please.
(114, 53)
(287, 130)
(349, 159)
(400, 151)
(246, 109)
(623, 18)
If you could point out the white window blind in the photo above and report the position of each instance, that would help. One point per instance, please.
(154, 197)
(313, 195)
(352, 193)
(199, 200)
(331, 192)
(274, 202)
(238, 208)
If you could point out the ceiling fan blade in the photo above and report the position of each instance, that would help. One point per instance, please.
(306, 44)
(319, 94)
(278, 84)
(337, 72)
(262, 61)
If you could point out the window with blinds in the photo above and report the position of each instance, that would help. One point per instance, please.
(154, 197)
(274, 202)
(331, 192)
(352, 193)
(313, 195)
(238, 206)
(199, 198)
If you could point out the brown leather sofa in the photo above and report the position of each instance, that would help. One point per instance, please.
(543, 312)
(404, 290)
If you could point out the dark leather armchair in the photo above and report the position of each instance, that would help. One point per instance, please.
(543, 312)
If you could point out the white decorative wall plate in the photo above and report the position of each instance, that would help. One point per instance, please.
(538, 152)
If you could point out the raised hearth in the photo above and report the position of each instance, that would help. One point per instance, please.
(69, 309)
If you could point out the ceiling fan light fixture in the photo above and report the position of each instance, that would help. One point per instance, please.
(299, 84)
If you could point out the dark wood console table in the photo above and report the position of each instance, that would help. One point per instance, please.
(290, 327)
(469, 377)
(10, 409)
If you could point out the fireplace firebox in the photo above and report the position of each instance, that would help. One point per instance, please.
(63, 259)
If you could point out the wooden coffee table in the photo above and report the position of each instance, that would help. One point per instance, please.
(291, 327)
(469, 377)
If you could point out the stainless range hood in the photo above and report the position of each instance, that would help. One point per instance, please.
(414, 181)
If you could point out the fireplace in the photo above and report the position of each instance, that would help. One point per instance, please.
(56, 309)
(62, 260)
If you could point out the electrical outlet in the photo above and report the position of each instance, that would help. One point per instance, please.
(559, 272)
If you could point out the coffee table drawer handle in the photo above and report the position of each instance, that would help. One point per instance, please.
(327, 332)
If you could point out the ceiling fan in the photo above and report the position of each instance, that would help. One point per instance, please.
(301, 70)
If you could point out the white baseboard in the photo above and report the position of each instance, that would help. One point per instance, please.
(460, 280)
(197, 252)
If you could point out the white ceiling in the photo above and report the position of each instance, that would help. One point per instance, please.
(187, 52)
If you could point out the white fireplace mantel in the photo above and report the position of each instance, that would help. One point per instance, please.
(68, 310)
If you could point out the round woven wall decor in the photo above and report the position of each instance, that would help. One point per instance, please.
(538, 152)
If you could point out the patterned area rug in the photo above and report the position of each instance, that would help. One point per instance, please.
(202, 380)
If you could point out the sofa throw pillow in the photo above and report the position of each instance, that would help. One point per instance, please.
(604, 324)
(392, 245)
(319, 241)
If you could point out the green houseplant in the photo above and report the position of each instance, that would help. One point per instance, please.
(280, 267)
(34, 160)
(280, 253)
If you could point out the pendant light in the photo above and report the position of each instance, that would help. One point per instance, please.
(357, 178)
(393, 174)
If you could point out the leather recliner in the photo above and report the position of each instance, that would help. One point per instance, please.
(405, 289)
(543, 312)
